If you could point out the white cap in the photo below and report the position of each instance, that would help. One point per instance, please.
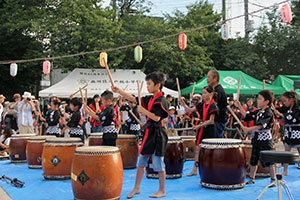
(26, 95)
(171, 107)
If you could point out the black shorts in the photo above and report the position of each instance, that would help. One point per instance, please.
(255, 155)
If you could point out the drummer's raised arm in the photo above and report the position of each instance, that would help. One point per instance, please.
(188, 109)
(123, 93)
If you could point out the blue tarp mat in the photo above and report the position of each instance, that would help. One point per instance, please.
(36, 188)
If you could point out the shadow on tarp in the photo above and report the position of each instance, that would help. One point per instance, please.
(36, 188)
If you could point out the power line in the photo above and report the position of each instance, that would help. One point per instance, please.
(138, 43)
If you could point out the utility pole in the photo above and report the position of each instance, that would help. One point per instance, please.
(224, 10)
(247, 28)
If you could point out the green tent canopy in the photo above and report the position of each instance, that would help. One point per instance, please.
(287, 82)
(229, 81)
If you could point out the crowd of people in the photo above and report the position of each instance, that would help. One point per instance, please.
(156, 118)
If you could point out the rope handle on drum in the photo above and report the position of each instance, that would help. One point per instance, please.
(15, 182)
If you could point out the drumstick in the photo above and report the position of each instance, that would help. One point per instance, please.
(178, 88)
(125, 87)
(193, 89)
(239, 132)
(139, 93)
(141, 87)
(135, 117)
(86, 98)
(108, 72)
(234, 115)
(79, 89)
(82, 97)
(238, 90)
(264, 84)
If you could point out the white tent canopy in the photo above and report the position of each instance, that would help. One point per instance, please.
(98, 82)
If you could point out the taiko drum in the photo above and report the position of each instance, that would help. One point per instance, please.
(57, 157)
(173, 159)
(100, 176)
(95, 139)
(222, 164)
(17, 147)
(129, 150)
(34, 151)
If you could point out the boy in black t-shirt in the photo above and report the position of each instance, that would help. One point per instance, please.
(261, 136)
(106, 117)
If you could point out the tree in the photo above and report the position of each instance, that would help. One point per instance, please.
(14, 44)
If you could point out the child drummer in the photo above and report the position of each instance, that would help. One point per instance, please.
(208, 111)
(75, 123)
(261, 136)
(155, 140)
(107, 118)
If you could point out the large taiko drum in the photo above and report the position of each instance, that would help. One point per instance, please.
(17, 147)
(222, 164)
(97, 173)
(57, 157)
(261, 171)
(34, 151)
(189, 147)
(95, 139)
(129, 150)
(173, 160)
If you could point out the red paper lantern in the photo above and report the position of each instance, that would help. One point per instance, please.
(46, 67)
(286, 13)
(13, 69)
(182, 41)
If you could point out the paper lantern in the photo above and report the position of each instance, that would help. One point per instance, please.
(182, 41)
(13, 69)
(138, 54)
(224, 31)
(286, 13)
(101, 56)
(46, 67)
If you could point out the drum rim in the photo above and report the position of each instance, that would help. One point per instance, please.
(40, 138)
(63, 140)
(16, 136)
(126, 136)
(216, 141)
(99, 133)
(106, 150)
(174, 138)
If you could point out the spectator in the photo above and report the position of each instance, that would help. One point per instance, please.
(213, 78)
(25, 109)
(97, 108)
(17, 99)
(11, 118)
(169, 99)
(2, 98)
(5, 139)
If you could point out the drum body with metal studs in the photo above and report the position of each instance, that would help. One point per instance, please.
(34, 151)
(97, 173)
(17, 147)
(57, 157)
(189, 147)
(173, 159)
(222, 164)
(95, 139)
(129, 150)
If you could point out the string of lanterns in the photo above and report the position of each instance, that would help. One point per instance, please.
(286, 15)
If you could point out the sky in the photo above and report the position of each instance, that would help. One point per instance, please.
(233, 8)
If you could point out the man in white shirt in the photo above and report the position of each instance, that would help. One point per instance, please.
(25, 109)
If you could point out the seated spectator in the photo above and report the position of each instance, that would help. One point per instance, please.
(5, 139)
